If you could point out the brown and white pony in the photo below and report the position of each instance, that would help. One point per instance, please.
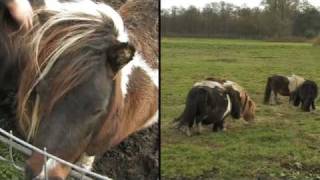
(283, 85)
(248, 106)
(89, 79)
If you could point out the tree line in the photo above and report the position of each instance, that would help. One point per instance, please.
(273, 19)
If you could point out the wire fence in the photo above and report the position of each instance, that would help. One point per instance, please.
(27, 149)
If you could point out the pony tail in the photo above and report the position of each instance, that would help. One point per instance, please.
(267, 92)
(196, 97)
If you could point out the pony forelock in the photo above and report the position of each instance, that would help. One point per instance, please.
(90, 8)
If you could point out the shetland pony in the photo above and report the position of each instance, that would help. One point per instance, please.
(283, 85)
(248, 106)
(209, 103)
(305, 95)
(89, 79)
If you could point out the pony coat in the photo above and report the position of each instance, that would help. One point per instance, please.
(294, 82)
(63, 54)
(209, 103)
(305, 95)
(248, 106)
(283, 85)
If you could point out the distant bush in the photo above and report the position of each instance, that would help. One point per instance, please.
(287, 39)
(316, 41)
(310, 33)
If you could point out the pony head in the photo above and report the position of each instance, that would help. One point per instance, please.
(75, 52)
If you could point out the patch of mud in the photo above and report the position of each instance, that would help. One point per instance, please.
(114, 3)
(208, 175)
(7, 110)
(311, 170)
(135, 158)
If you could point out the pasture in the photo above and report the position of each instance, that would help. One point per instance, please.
(283, 142)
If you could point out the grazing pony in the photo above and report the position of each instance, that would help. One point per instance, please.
(283, 85)
(89, 79)
(207, 103)
(306, 95)
(248, 106)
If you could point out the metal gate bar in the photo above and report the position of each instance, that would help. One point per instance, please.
(26, 148)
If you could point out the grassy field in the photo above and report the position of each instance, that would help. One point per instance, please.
(7, 171)
(283, 142)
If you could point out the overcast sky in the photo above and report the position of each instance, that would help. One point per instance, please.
(200, 3)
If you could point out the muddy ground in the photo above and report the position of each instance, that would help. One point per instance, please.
(135, 158)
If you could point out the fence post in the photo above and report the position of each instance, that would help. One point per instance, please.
(11, 152)
(45, 163)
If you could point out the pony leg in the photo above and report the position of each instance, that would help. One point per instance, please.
(272, 99)
(305, 106)
(199, 124)
(221, 125)
(218, 125)
(199, 127)
(215, 127)
(188, 131)
(86, 161)
(276, 98)
(313, 105)
(190, 125)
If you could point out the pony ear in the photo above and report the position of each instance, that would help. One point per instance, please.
(235, 103)
(119, 55)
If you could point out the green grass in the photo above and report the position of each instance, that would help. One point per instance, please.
(7, 170)
(283, 142)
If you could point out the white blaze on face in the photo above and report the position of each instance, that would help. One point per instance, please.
(210, 84)
(138, 61)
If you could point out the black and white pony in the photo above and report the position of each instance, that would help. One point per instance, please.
(305, 95)
(207, 103)
(283, 85)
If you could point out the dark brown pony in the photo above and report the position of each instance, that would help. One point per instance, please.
(89, 80)
(305, 95)
(283, 85)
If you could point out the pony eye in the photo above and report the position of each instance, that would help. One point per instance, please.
(97, 111)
